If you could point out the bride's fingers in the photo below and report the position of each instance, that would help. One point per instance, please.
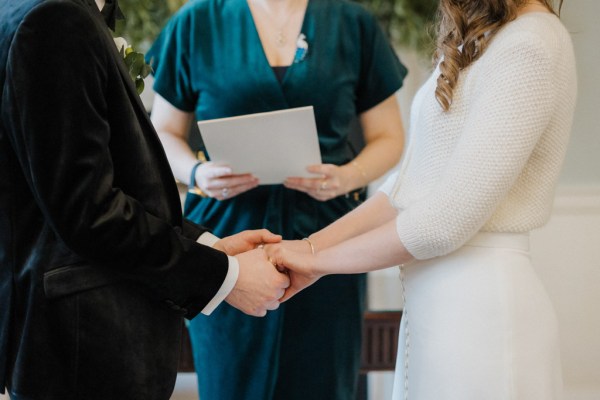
(289, 293)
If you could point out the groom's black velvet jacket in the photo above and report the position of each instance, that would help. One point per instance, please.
(87, 197)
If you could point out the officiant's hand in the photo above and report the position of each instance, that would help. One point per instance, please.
(332, 181)
(219, 182)
(299, 265)
(246, 240)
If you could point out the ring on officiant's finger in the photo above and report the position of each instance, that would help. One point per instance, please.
(225, 192)
(323, 185)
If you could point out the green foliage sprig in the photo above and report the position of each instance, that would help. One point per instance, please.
(138, 69)
(409, 23)
(135, 62)
(144, 20)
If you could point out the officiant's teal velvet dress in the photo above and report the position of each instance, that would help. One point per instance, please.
(209, 60)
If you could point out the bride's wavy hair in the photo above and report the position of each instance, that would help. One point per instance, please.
(470, 24)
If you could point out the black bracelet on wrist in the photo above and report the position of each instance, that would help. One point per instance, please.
(192, 187)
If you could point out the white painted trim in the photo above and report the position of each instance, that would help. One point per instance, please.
(582, 394)
(577, 199)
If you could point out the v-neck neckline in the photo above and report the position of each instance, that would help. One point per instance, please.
(259, 43)
(271, 87)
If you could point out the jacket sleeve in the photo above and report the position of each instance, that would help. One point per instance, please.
(56, 94)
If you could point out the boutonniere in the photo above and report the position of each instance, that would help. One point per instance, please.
(135, 62)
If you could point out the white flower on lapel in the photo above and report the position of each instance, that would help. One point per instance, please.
(121, 45)
(135, 63)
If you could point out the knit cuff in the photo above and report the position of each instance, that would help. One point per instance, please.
(414, 241)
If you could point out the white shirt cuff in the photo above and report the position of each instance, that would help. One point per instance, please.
(226, 287)
(208, 239)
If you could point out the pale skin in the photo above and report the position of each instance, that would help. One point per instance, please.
(363, 240)
(259, 286)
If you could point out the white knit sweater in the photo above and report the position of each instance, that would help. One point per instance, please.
(491, 162)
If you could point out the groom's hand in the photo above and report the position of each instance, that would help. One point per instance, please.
(245, 241)
(259, 285)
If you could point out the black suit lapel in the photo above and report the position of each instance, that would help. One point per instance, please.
(136, 102)
(135, 99)
(131, 90)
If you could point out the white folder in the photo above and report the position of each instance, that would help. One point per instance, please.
(272, 145)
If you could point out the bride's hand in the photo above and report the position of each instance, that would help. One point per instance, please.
(299, 265)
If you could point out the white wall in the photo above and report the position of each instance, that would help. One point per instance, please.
(566, 254)
(582, 166)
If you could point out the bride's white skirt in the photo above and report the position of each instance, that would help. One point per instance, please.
(478, 325)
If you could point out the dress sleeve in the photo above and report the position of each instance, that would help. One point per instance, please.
(513, 102)
(381, 72)
(169, 57)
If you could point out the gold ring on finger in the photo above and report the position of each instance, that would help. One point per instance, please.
(323, 185)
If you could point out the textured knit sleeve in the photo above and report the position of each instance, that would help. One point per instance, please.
(513, 101)
(169, 57)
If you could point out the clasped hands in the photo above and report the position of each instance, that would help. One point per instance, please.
(270, 270)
